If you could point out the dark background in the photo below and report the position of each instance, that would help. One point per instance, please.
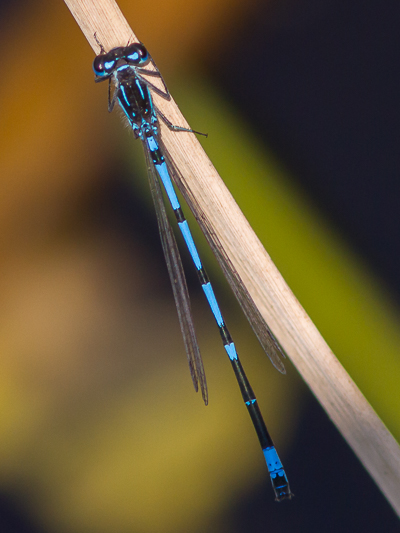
(320, 82)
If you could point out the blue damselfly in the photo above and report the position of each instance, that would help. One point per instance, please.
(131, 70)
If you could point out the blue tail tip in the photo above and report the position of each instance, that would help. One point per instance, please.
(279, 479)
(281, 487)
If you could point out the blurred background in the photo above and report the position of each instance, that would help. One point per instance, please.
(100, 429)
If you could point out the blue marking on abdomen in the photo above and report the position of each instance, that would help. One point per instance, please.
(231, 351)
(208, 290)
(152, 144)
(187, 235)
(250, 402)
(165, 178)
(273, 462)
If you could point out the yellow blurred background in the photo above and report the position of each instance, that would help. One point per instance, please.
(100, 429)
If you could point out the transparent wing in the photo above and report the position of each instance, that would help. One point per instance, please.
(261, 329)
(263, 333)
(178, 281)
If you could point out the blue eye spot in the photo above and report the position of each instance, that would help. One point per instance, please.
(109, 65)
(133, 57)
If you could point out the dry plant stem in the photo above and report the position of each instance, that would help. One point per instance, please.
(344, 403)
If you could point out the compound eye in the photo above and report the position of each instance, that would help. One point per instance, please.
(136, 54)
(103, 65)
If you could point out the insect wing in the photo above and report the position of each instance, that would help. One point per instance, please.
(261, 329)
(178, 281)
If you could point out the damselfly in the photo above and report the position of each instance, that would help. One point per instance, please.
(131, 68)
